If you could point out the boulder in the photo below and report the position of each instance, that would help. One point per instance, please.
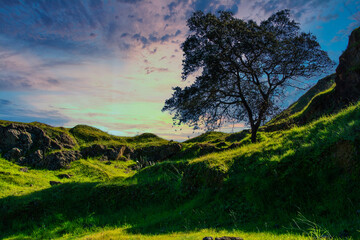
(14, 153)
(52, 183)
(207, 238)
(15, 137)
(61, 159)
(94, 150)
(28, 137)
(65, 140)
(108, 153)
(34, 159)
(229, 238)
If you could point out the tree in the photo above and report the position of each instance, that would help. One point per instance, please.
(245, 69)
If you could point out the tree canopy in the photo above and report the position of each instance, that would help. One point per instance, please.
(245, 68)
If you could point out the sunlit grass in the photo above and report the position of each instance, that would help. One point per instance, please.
(241, 192)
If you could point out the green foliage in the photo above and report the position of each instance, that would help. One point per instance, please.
(252, 191)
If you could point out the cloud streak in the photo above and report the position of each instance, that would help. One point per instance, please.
(112, 64)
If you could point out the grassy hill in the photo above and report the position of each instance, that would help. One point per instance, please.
(293, 184)
(299, 181)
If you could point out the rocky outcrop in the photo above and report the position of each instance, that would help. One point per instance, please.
(28, 144)
(107, 153)
(348, 71)
(26, 138)
(60, 159)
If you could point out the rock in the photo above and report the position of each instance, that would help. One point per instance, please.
(348, 71)
(64, 175)
(229, 238)
(111, 153)
(156, 153)
(66, 141)
(12, 137)
(18, 140)
(207, 238)
(103, 158)
(60, 159)
(93, 151)
(52, 183)
(24, 169)
(34, 159)
(14, 153)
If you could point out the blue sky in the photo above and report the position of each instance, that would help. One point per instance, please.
(112, 64)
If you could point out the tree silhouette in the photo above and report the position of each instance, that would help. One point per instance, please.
(245, 68)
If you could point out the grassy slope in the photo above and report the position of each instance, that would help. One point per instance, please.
(300, 112)
(256, 190)
(87, 135)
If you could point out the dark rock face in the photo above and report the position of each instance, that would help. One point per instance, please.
(66, 141)
(348, 72)
(207, 238)
(14, 153)
(107, 153)
(60, 159)
(27, 145)
(27, 137)
(33, 159)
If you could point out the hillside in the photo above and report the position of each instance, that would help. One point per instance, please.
(216, 190)
(300, 181)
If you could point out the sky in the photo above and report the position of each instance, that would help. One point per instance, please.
(112, 64)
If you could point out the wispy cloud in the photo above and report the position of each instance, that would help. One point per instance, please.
(112, 64)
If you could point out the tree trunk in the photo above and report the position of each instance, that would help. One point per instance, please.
(254, 130)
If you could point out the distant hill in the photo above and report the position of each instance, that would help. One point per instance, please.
(300, 181)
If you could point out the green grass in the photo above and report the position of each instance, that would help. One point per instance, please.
(87, 135)
(14, 182)
(300, 112)
(208, 137)
(254, 191)
(122, 234)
